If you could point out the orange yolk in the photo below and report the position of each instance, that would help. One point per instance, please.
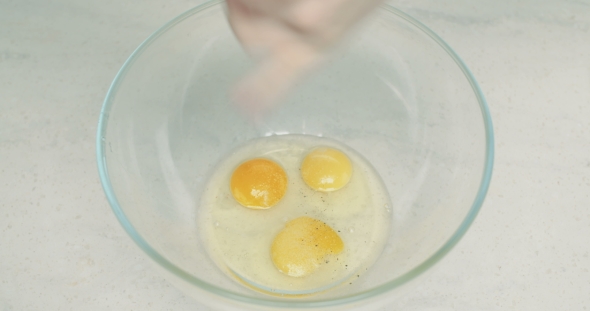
(326, 169)
(258, 183)
(303, 245)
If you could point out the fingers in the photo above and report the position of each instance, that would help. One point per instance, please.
(288, 38)
(259, 33)
(264, 7)
(310, 16)
(270, 81)
(242, 19)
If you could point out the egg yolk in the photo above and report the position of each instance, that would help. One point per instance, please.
(326, 169)
(303, 245)
(258, 183)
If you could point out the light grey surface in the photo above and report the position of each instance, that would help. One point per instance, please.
(61, 247)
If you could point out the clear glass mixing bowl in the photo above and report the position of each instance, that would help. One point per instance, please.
(395, 92)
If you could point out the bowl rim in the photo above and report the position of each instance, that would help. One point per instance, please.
(381, 289)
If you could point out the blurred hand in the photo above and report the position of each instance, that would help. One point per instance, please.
(287, 38)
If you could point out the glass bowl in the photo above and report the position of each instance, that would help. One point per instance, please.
(394, 91)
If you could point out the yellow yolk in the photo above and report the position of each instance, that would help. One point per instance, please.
(258, 183)
(303, 245)
(326, 169)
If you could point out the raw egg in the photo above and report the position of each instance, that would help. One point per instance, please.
(258, 183)
(303, 245)
(326, 169)
(273, 250)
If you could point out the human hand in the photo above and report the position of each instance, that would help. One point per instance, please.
(287, 38)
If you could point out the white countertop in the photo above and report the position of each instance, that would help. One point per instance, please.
(61, 247)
